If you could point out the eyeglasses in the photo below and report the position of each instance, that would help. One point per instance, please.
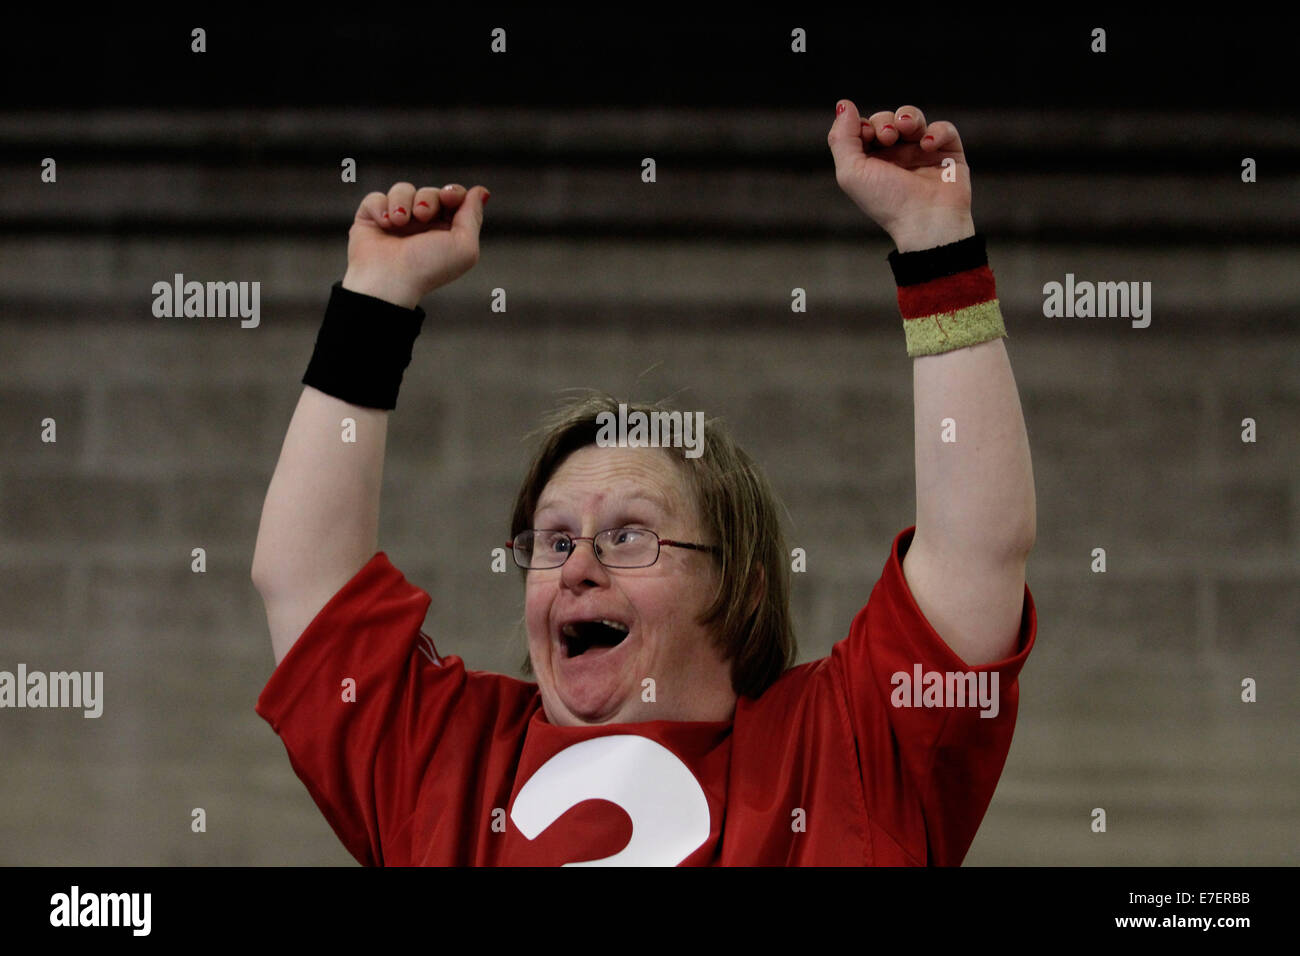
(615, 548)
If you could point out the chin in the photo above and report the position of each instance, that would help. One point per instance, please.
(585, 706)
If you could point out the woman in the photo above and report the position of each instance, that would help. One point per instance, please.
(666, 725)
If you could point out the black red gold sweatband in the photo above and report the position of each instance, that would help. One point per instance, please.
(947, 297)
(362, 349)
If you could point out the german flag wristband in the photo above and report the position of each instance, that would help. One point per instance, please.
(947, 297)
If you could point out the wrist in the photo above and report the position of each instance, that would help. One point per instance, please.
(928, 232)
(363, 347)
(947, 296)
(381, 288)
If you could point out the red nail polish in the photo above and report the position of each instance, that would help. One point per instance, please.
(423, 203)
(385, 215)
(927, 136)
(401, 210)
(903, 116)
(840, 108)
(885, 127)
(486, 197)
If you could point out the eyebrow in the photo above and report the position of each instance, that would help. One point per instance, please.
(646, 495)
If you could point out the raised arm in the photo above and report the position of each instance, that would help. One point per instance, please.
(975, 505)
(320, 521)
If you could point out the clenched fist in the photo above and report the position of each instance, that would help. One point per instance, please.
(409, 242)
(891, 165)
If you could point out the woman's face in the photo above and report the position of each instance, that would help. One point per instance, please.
(598, 488)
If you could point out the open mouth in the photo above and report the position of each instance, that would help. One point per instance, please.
(581, 636)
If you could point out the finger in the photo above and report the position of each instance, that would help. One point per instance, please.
(426, 204)
(941, 135)
(375, 208)
(468, 222)
(845, 138)
(910, 122)
(452, 195)
(868, 133)
(885, 127)
(400, 198)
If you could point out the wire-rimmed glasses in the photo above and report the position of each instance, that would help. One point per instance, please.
(537, 550)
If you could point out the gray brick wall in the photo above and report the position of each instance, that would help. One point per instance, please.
(169, 430)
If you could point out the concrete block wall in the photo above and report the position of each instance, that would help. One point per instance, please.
(169, 430)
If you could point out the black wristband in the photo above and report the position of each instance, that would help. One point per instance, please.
(362, 349)
(913, 268)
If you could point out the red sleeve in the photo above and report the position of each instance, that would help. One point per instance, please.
(928, 772)
(366, 760)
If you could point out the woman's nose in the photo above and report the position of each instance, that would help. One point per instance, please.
(582, 562)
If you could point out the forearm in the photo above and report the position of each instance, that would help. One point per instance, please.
(974, 477)
(975, 494)
(320, 521)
